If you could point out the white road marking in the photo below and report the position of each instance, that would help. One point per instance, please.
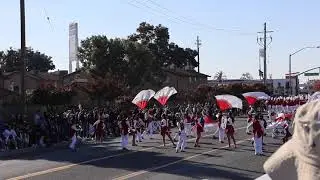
(29, 175)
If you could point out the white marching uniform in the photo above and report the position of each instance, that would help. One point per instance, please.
(249, 124)
(222, 128)
(188, 128)
(182, 137)
(257, 138)
(149, 130)
(257, 145)
(124, 126)
(138, 126)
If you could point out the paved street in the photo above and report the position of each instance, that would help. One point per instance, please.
(149, 160)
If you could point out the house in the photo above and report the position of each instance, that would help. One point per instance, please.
(12, 81)
(178, 78)
(184, 79)
(33, 80)
(5, 94)
(278, 87)
(77, 77)
(53, 79)
(78, 81)
(234, 81)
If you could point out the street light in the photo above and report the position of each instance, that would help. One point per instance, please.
(308, 47)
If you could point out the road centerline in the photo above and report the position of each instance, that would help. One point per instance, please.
(131, 175)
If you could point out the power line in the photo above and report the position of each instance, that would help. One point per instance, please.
(150, 10)
(182, 20)
(195, 22)
(189, 20)
(48, 18)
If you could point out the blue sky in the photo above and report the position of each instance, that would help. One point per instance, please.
(234, 51)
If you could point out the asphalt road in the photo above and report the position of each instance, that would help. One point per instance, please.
(149, 160)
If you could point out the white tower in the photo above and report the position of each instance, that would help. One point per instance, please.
(73, 45)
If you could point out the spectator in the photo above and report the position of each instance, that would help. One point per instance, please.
(10, 137)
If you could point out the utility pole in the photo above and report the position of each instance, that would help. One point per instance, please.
(265, 53)
(198, 43)
(22, 53)
(264, 45)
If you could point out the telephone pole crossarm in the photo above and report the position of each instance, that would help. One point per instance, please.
(264, 45)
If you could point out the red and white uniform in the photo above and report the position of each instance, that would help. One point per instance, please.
(164, 127)
(229, 130)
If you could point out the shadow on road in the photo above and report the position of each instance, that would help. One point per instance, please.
(114, 162)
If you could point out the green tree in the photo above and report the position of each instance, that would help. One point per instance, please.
(38, 61)
(10, 60)
(181, 57)
(103, 55)
(105, 88)
(156, 38)
(142, 67)
(129, 62)
(35, 60)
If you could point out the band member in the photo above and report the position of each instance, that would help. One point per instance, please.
(178, 121)
(138, 125)
(249, 121)
(133, 130)
(182, 137)
(230, 134)
(230, 114)
(124, 130)
(165, 130)
(222, 126)
(257, 136)
(100, 129)
(288, 134)
(263, 124)
(188, 124)
(199, 125)
(219, 119)
(149, 115)
(75, 130)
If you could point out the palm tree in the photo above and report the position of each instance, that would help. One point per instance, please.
(220, 76)
(246, 76)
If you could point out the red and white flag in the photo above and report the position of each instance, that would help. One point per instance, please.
(143, 97)
(210, 125)
(253, 97)
(164, 94)
(227, 101)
